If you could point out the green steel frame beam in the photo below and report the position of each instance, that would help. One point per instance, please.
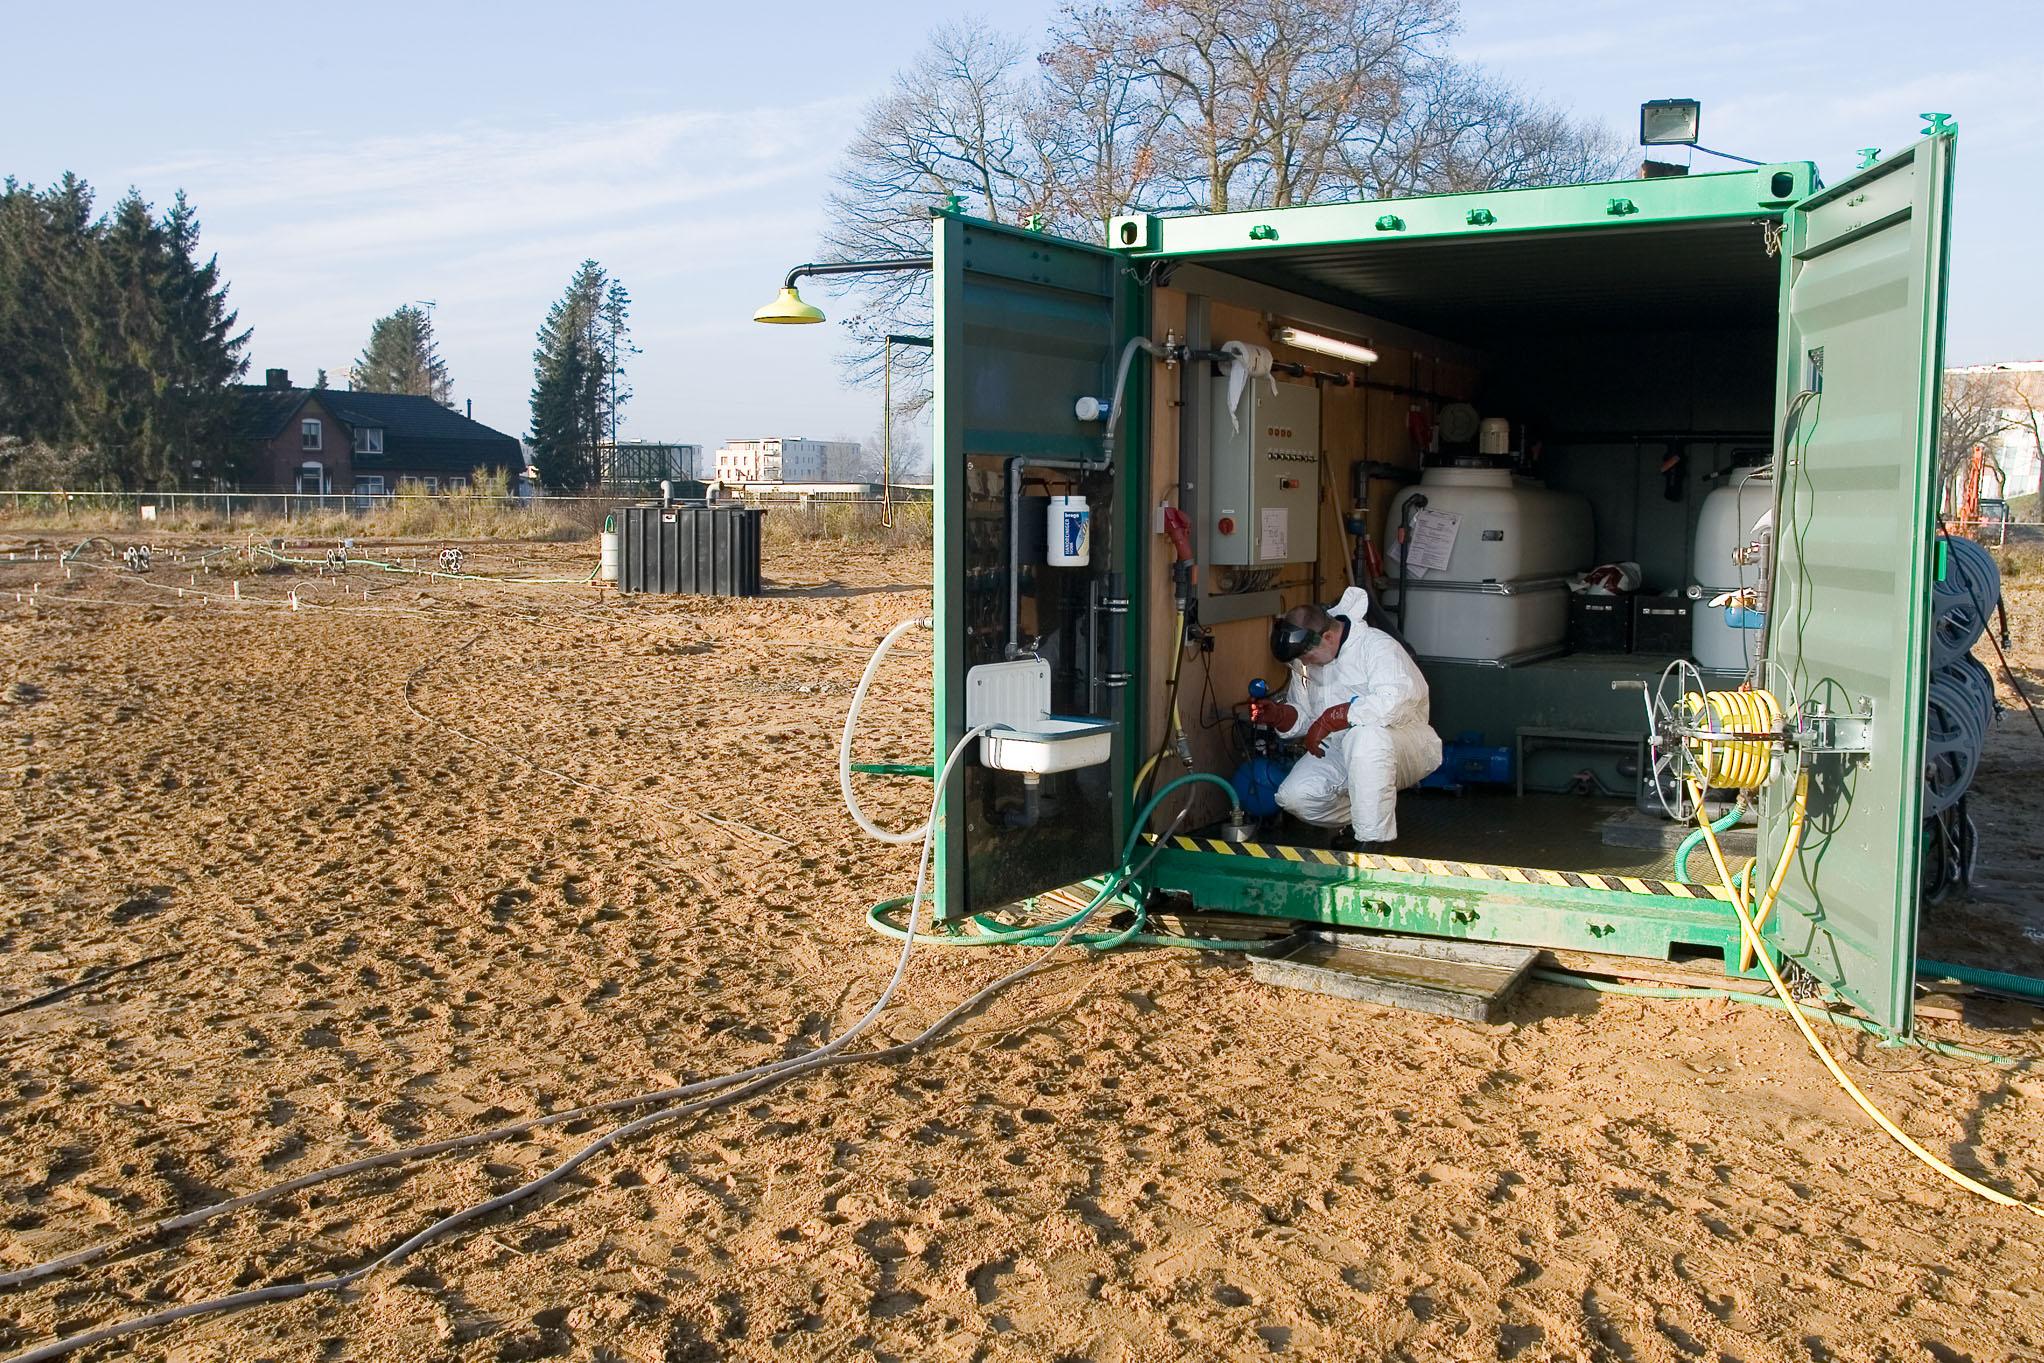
(1555, 916)
(1628, 203)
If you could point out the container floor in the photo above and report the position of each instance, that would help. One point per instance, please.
(1545, 832)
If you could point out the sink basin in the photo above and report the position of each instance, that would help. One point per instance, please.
(1050, 743)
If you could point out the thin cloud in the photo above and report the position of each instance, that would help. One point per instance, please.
(476, 186)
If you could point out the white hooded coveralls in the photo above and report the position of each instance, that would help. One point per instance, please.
(1388, 744)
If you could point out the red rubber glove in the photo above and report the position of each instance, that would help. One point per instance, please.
(1332, 719)
(1275, 713)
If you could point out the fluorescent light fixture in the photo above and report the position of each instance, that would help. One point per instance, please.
(1670, 122)
(1323, 345)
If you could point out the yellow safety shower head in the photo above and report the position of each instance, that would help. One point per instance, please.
(789, 308)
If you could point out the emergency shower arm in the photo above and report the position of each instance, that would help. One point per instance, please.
(857, 267)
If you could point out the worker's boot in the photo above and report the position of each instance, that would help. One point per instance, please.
(1345, 840)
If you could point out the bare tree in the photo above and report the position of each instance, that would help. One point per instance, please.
(953, 124)
(1098, 126)
(1461, 129)
(1259, 96)
(1976, 410)
(1178, 105)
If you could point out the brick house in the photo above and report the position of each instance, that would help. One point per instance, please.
(325, 441)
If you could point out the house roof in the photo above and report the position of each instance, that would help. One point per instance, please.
(403, 416)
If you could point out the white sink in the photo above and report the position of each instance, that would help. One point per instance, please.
(1049, 743)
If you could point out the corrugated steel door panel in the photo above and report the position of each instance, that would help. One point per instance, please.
(1863, 335)
(1026, 324)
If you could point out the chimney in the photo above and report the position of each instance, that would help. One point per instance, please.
(277, 378)
(471, 409)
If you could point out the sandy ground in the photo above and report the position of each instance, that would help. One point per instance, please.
(415, 862)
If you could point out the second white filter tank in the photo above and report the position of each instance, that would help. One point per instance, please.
(1722, 528)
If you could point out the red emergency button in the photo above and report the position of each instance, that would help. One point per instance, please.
(1226, 525)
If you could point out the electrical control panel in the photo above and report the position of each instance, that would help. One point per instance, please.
(1265, 475)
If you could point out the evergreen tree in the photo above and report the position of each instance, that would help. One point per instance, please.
(47, 332)
(117, 349)
(132, 276)
(614, 319)
(403, 357)
(577, 381)
(203, 358)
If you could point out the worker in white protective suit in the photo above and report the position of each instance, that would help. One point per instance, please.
(1358, 704)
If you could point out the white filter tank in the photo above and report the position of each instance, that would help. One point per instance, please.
(1722, 526)
(1499, 596)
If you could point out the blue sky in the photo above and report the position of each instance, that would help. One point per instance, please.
(346, 161)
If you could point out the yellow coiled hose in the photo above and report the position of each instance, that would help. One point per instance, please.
(1751, 724)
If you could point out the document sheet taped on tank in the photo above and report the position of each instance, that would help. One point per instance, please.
(1467, 870)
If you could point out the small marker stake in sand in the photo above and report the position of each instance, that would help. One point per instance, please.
(237, 589)
(294, 600)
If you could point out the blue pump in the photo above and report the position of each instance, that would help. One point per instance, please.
(1256, 785)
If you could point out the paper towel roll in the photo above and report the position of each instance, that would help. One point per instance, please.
(1245, 362)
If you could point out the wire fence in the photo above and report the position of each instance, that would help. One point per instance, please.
(284, 506)
(825, 513)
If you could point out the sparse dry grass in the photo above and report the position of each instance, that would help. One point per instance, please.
(849, 523)
(446, 517)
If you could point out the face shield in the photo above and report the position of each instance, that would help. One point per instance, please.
(1288, 641)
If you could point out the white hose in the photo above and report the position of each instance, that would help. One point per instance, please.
(1128, 353)
(844, 752)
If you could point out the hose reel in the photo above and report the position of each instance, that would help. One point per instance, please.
(1736, 740)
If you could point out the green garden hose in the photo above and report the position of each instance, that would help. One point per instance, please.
(990, 932)
(1695, 838)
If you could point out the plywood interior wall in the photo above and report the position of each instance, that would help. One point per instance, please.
(1356, 423)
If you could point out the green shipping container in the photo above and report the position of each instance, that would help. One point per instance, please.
(1649, 333)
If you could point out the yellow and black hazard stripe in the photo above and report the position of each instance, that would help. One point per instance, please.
(1466, 870)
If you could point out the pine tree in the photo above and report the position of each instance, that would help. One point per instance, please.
(117, 349)
(47, 308)
(403, 357)
(578, 373)
(617, 348)
(130, 278)
(203, 357)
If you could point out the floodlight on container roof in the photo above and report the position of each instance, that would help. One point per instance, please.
(1670, 122)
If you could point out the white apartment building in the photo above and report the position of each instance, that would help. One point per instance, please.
(785, 461)
(2015, 451)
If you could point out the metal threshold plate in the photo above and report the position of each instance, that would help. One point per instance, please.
(1467, 980)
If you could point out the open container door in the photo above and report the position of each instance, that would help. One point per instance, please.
(1026, 325)
(1863, 326)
